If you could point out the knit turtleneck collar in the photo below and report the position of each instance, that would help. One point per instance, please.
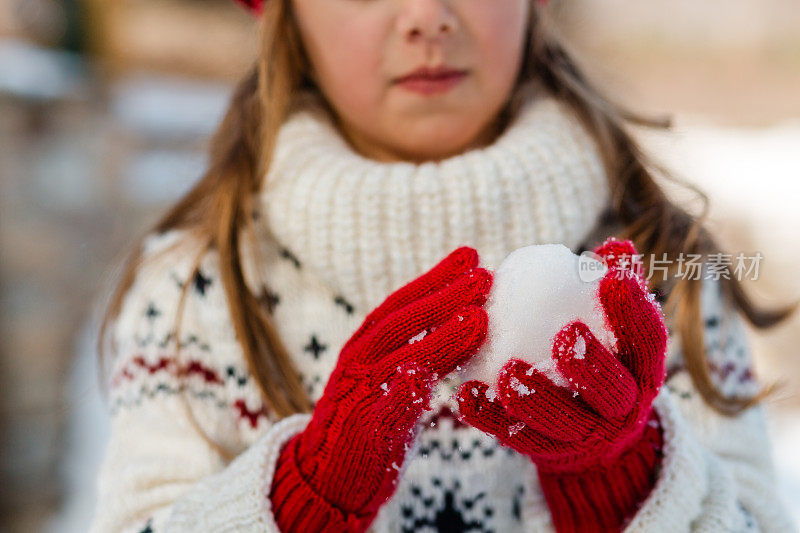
(367, 227)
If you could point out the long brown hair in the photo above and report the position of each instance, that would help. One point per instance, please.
(218, 209)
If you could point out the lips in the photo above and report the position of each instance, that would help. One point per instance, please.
(432, 74)
(427, 81)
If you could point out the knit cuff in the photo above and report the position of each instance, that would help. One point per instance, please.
(235, 499)
(298, 508)
(683, 479)
(603, 497)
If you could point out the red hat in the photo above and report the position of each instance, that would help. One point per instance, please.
(256, 6)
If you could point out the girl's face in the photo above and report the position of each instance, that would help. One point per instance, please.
(358, 49)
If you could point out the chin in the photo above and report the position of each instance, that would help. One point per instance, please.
(432, 150)
(439, 145)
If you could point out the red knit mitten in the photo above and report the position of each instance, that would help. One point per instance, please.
(335, 475)
(597, 443)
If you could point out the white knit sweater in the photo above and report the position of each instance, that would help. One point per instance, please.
(338, 233)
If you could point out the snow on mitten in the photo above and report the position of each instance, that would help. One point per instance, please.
(596, 443)
(335, 475)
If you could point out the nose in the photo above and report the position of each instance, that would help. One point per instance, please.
(427, 19)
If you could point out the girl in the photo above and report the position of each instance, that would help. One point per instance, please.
(286, 339)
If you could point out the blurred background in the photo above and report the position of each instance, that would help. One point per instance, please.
(105, 109)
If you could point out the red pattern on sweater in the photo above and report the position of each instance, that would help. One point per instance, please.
(252, 416)
(191, 367)
(170, 365)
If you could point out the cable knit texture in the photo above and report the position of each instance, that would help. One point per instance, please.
(192, 447)
(366, 227)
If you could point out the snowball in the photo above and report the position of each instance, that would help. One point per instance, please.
(536, 291)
